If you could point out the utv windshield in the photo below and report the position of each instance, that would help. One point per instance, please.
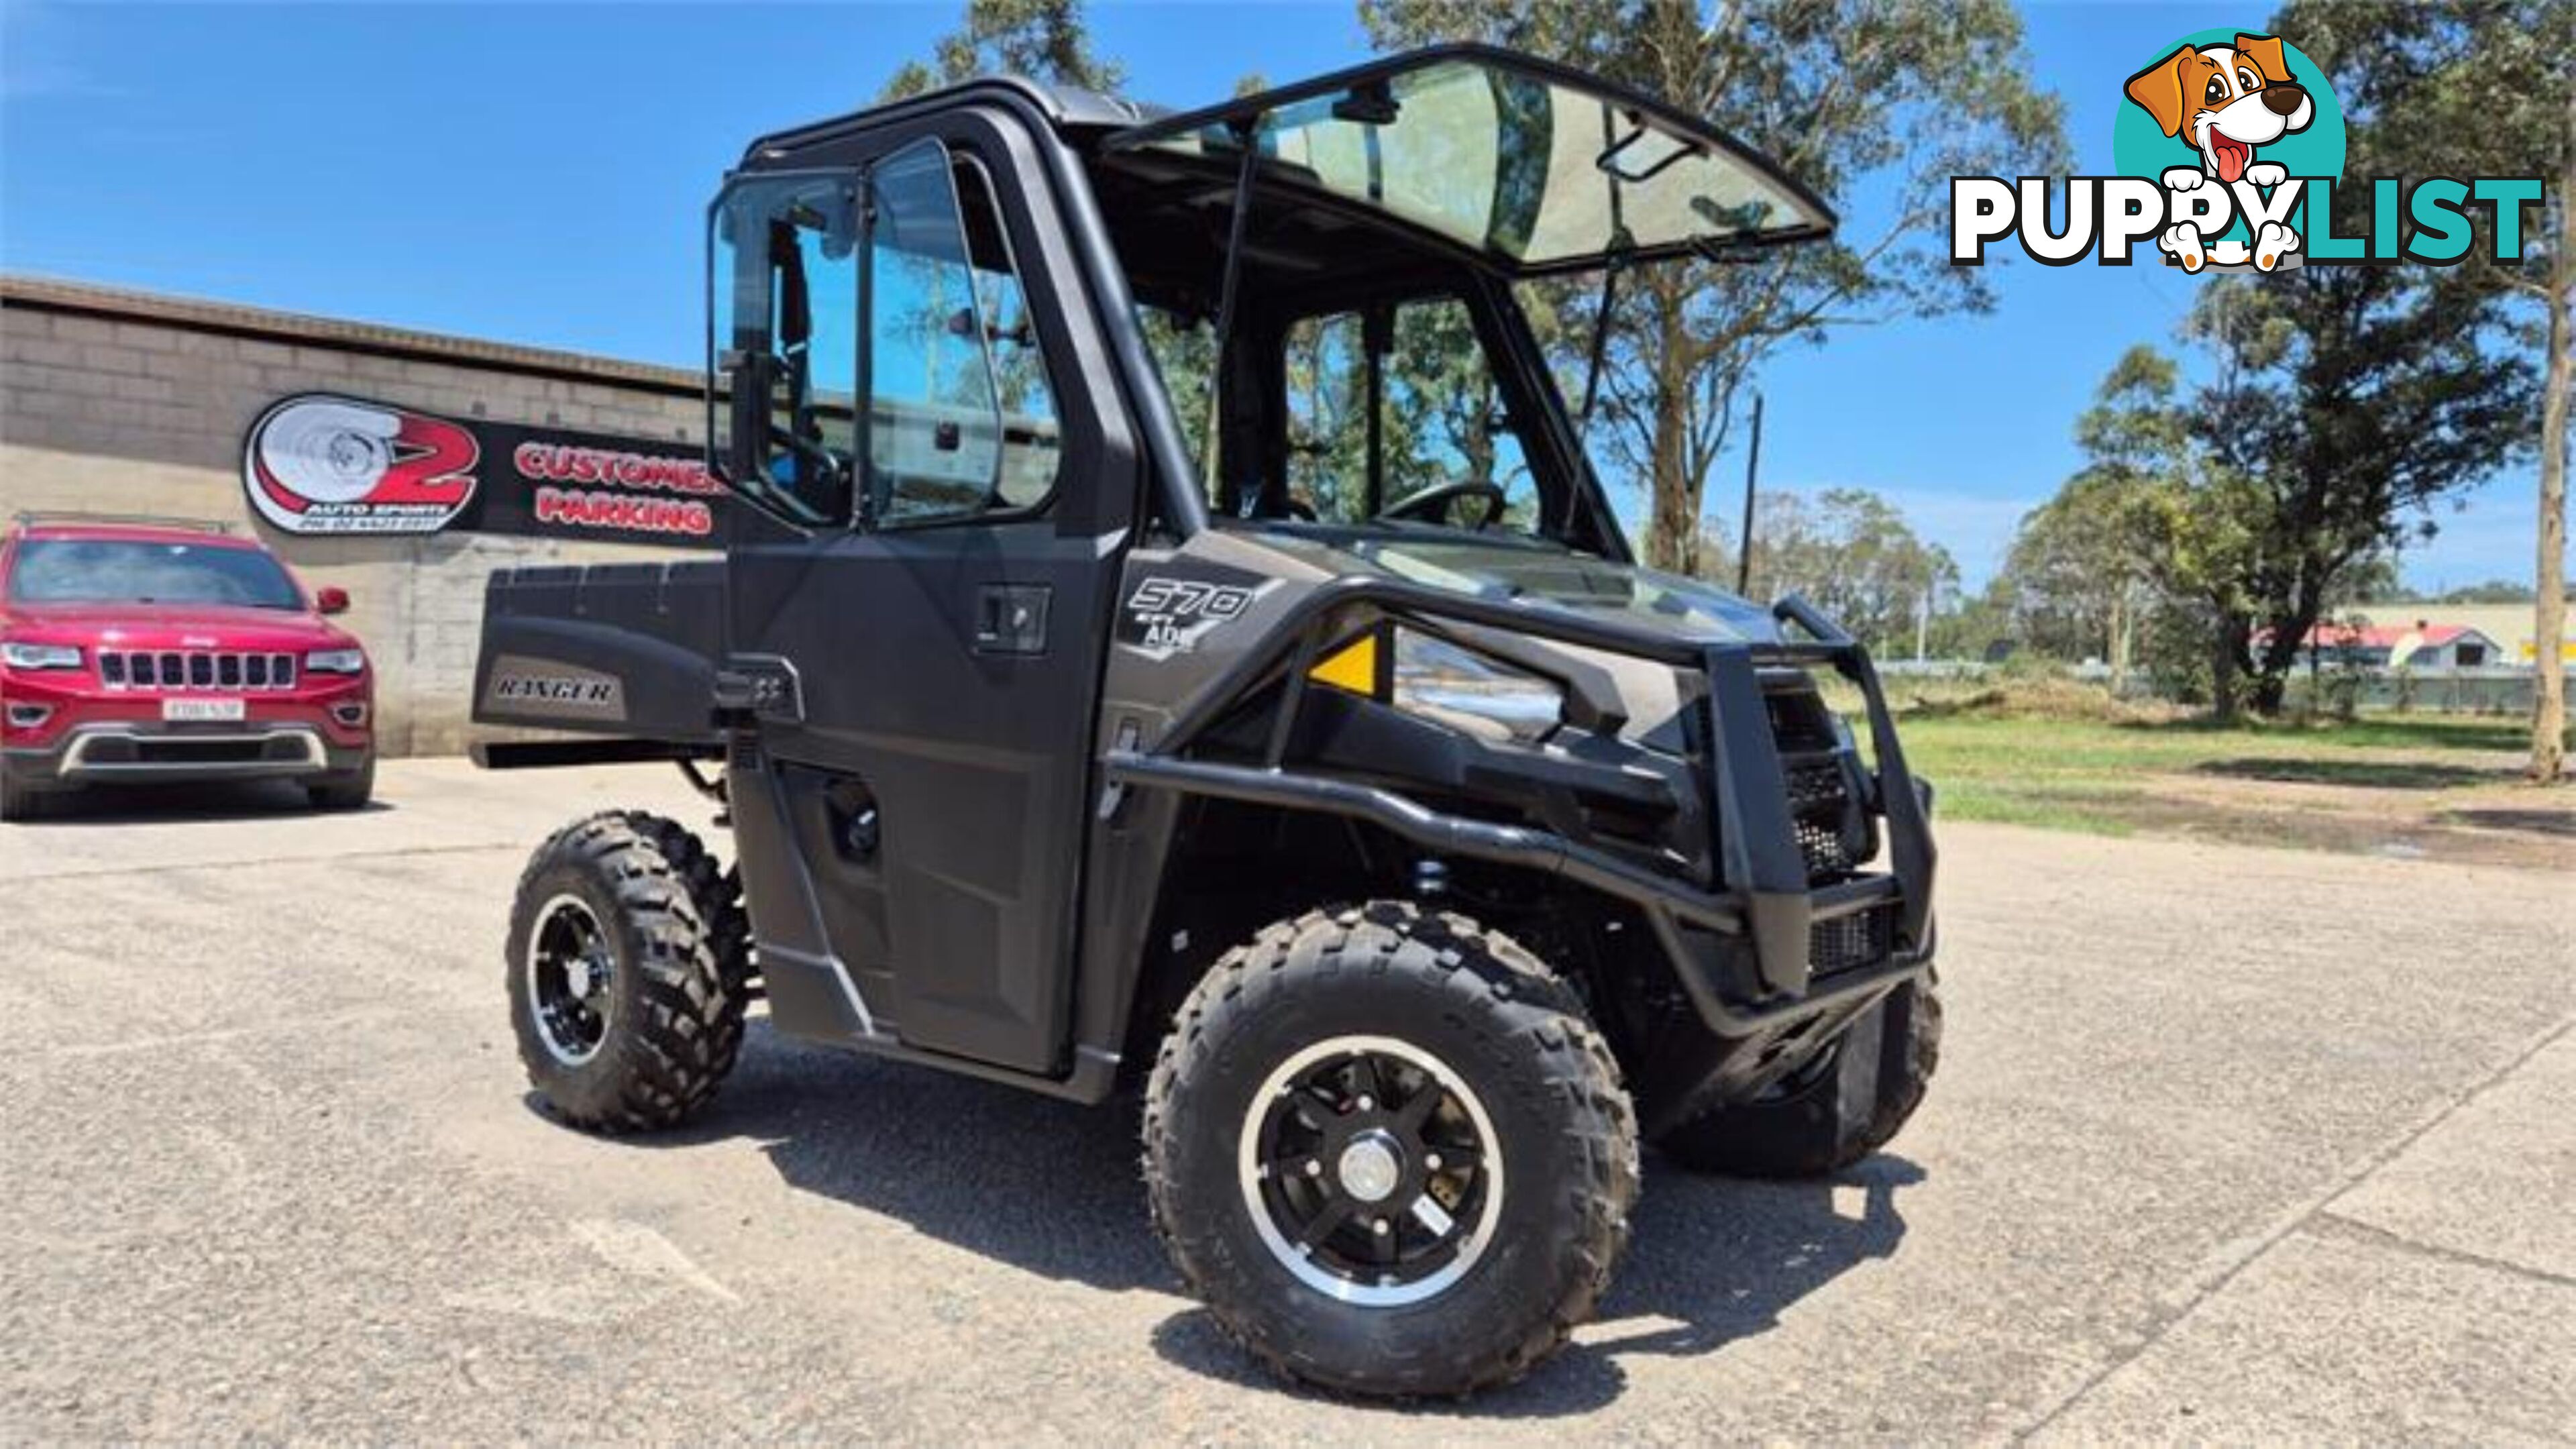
(1534, 167)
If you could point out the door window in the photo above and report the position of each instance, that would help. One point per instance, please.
(962, 419)
(783, 339)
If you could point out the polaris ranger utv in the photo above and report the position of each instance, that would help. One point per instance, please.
(1169, 618)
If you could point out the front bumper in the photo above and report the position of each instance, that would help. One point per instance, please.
(65, 730)
(116, 752)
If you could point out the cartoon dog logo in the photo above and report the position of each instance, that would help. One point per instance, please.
(2224, 101)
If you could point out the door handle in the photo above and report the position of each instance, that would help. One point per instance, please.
(1012, 618)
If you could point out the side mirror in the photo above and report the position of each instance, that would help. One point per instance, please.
(331, 600)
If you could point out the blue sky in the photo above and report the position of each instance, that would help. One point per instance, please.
(538, 174)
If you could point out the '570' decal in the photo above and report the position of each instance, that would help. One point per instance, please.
(1165, 614)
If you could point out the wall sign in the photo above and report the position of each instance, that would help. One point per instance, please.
(325, 465)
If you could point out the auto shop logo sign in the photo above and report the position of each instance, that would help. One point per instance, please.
(2230, 148)
(325, 465)
(334, 465)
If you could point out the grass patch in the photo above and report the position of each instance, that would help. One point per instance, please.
(2117, 778)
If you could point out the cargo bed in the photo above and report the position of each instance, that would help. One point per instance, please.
(627, 652)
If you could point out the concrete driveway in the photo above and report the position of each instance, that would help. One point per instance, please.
(2228, 1144)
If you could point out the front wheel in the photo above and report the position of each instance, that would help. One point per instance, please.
(19, 800)
(1389, 1152)
(350, 791)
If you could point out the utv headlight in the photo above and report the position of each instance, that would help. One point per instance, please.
(335, 661)
(40, 656)
(1466, 691)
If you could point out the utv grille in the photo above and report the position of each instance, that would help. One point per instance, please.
(1819, 805)
(1845, 942)
(143, 669)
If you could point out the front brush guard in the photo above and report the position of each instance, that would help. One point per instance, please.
(1761, 893)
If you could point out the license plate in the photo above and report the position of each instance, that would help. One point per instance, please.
(198, 711)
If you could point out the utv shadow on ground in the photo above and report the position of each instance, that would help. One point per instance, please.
(1052, 1188)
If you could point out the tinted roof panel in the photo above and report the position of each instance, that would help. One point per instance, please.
(1535, 166)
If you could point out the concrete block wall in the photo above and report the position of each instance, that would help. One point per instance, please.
(119, 402)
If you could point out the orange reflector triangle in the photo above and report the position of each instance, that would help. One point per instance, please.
(1352, 667)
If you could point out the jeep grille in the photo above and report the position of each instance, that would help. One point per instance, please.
(169, 670)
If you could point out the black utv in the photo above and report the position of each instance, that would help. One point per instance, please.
(1169, 622)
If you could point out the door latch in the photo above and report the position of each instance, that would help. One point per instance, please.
(1012, 618)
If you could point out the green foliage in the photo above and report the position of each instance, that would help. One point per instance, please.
(2493, 591)
(2341, 403)
(1044, 40)
(1851, 553)
(2349, 400)
(2454, 88)
(2483, 88)
(1900, 96)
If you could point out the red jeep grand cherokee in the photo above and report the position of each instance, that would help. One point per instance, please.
(139, 651)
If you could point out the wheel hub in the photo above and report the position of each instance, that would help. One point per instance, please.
(1371, 1171)
(569, 971)
(1371, 1166)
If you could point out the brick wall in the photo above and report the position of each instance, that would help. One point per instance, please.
(116, 402)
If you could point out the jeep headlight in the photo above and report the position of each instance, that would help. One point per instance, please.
(335, 661)
(40, 656)
(1466, 691)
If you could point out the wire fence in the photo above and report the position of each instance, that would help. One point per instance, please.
(2495, 690)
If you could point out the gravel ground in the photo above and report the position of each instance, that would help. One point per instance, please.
(2228, 1144)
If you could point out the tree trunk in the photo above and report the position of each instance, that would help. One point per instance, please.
(2549, 619)
(1672, 537)
(1672, 532)
(2229, 641)
(2119, 644)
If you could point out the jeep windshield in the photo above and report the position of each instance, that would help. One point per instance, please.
(1331, 278)
(132, 571)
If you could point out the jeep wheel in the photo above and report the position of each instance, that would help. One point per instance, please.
(1848, 1104)
(18, 799)
(625, 1014)
(1389, 1152)
(350, 791)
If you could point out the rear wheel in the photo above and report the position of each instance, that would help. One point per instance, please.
(1389, 1152)
(626, 1017)
(1848, 1104)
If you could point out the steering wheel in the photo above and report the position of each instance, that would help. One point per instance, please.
(1431, 502)
(827, 464)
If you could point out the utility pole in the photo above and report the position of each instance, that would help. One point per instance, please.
(1752, 469)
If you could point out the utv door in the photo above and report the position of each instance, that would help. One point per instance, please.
(916, 601)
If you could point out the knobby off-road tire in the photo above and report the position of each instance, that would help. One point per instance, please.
(1822, 1123)
(1274, 1040)
(641, 1032)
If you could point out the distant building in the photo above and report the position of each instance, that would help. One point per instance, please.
(2420, 646)
(2509, 625)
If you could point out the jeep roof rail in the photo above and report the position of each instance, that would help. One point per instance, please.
(34, 516)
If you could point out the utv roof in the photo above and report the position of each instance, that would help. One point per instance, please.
(1532, 166)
